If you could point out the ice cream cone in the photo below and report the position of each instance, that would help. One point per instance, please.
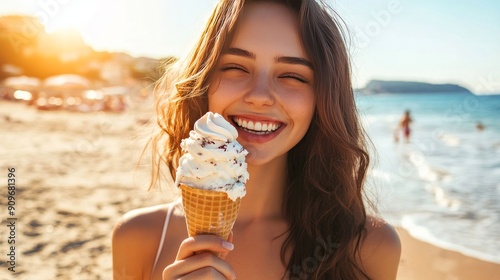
(208, 211)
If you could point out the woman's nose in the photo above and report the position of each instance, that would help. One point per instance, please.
(261, 92)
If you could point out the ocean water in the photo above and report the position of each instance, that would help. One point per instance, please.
(443, 186)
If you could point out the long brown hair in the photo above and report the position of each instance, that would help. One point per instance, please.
(326, 169)
(325, 202)
(181, 94)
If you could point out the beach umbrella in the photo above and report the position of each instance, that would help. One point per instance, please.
(22, 83)
(21, 87)
(67, 81)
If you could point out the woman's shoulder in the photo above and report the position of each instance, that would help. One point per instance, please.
(380, 233)
(135, 240)
(141, 228)
(143, 220)
(381, 249)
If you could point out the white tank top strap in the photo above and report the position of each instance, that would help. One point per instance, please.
(170, 209)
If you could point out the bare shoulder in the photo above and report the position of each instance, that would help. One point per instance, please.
(139, 220)
(135, 240)
(381, 250)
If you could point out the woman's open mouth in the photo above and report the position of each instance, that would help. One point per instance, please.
(256, 127)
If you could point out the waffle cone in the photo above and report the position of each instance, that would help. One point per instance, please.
(209, 212)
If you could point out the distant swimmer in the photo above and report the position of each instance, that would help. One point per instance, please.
(479, 126)
(404, 125)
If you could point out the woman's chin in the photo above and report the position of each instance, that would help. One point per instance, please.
(257, 159)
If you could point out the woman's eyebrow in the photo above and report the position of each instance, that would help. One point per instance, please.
(293, 60)
(240, 52)
(278, 59)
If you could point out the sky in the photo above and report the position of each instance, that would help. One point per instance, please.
(445, 41)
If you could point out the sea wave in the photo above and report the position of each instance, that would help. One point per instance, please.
(442, 184)
(450, 140)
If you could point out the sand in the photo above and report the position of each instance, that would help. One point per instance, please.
(421, 260)
(77, 173)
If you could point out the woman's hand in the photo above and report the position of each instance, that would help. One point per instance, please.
(196, 259)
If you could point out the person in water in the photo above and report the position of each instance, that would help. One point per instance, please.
(404, 126)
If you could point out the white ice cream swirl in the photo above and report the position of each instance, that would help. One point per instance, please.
(213, 159)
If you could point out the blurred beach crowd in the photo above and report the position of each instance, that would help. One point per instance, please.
(58, 71)
(74, 124)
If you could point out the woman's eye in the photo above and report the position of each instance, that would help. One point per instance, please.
(233, 67)
(295, 77)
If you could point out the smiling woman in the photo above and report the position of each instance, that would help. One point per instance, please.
(278, 70)
(268, 69)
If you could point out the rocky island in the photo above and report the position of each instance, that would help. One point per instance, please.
(379, 86)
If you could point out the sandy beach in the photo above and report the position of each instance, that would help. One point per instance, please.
(421, 260)
(77, 173)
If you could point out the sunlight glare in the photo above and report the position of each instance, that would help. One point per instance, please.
(76, 15)
(23, 95)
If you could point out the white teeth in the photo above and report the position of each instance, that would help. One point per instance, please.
(257, 126)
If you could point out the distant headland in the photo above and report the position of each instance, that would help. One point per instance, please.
(378, 86)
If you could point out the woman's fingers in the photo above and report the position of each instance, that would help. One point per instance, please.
(202, 243)
(197, 259)
(204, 265)
(223, 255)
(205, 273)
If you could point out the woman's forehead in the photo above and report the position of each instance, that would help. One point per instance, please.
(268, 26)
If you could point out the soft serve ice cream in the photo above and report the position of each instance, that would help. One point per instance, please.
(213, 159)
(212, 175)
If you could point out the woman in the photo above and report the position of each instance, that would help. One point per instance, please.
(404, 125)
(284, 64)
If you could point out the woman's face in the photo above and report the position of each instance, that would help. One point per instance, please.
(263, 83)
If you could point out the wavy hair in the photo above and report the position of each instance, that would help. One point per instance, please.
(326, 170)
